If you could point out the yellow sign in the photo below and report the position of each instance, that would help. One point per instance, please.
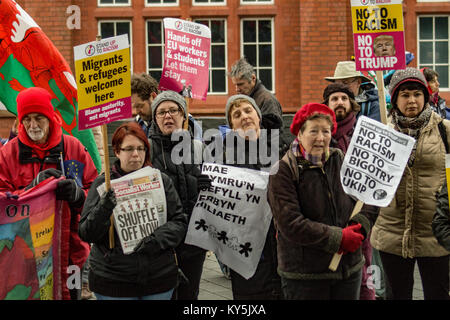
(367, 19)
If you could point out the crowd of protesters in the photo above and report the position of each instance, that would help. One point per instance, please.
(311, 212)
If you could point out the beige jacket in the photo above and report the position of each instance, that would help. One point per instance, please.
(404, 227)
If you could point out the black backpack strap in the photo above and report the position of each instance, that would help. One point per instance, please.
(443, 133)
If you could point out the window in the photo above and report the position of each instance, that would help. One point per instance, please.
(155, 48)
(433, 37)
(256, 1)
(104, 3)
(218, 56)
(116, 28)
(161, 2)
(208, 2)
(257, 47)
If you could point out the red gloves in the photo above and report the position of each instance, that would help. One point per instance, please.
(351, 239)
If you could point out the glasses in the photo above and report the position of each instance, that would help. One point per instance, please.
(132, 149)
(347, 81)
(162, 113)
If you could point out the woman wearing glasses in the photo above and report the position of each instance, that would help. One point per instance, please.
(150, 272)
(169, 113)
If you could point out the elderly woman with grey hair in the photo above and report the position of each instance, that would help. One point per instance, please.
(403, 232)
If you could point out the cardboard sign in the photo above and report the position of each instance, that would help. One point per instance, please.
(104, 81)
(378, 35)
(186, 58)
(374, 163)
(232, 217)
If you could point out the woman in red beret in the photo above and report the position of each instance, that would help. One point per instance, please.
(311, 213)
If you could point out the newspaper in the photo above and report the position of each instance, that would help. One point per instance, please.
(141, 205)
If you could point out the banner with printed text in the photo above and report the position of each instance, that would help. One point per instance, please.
(378, 34)
(103, 76)
(232, 217)
(374, 163)
(31, 245)
(186, 58)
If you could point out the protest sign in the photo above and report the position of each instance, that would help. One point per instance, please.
(232, 217)
(374, 163)
(33, 249)
(104, 81)
(141, 206)
(378, 34)
(186, 58)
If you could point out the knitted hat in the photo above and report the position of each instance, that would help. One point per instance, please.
(241, 96)
(36, 100)
(169, 95)
(308, 110)
(336, 87)
(346, 69)
(407, 75)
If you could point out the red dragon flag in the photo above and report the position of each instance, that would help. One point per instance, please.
(29, 59)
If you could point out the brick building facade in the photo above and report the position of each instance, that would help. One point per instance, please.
(295, 44)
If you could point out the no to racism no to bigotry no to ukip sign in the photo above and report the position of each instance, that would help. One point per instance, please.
(374, 163)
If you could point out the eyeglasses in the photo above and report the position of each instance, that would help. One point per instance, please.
(132, 149)
(162, 113)
(347, 81)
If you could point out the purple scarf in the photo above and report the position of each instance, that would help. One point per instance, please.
(344, 132)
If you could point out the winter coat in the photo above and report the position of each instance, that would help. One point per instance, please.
(112, 273)
(266, 102)
(439, 107)
(20, 165)
(369, 103)
(404, 227)
(184, 177)
(265, 284)
(310, 210)
(441, 219)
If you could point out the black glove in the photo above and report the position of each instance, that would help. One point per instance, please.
(147, 245)
(69, 191)
(43, 175)
(108, 201)
(203, 182)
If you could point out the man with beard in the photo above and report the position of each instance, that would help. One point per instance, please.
(37, 154)
(341, 100)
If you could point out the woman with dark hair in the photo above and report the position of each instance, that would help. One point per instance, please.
(403, 232)
(150, 272)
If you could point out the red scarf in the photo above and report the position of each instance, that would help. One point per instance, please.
(54, 137)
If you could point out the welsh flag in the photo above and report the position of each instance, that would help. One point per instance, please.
(29, 59)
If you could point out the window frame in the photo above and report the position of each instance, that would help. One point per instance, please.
(257, 68)
(209, 3)
(162, 4)
(99, 4)
(257, 3)
(147, 45)
(225, 68)
(433, 41)
(115, 34)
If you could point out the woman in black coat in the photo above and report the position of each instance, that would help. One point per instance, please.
(150, 272)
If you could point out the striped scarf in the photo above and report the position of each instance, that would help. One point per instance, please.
(411, 127)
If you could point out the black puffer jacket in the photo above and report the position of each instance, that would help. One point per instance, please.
(265, 284)
(441, 219)
(184, 177)
(118, 275)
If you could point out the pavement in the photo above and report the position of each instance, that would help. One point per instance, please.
(215, 286)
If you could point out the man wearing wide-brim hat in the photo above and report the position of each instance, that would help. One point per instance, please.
(364, 90)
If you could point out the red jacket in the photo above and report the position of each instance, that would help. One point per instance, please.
(19, 165)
